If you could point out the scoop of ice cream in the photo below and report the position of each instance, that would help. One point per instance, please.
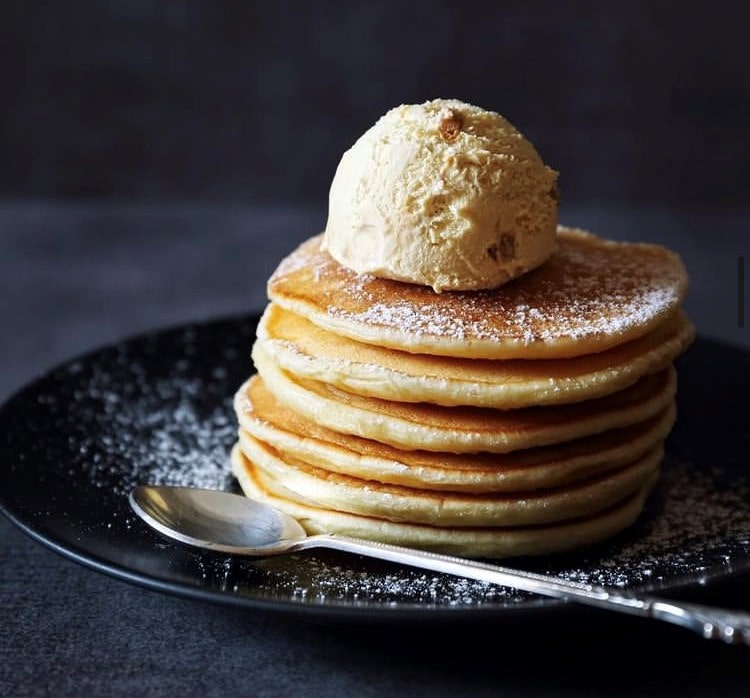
(443, 194)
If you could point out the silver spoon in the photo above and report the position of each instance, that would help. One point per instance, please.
(232, 523)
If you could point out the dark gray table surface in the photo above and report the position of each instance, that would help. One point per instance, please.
(74, 276)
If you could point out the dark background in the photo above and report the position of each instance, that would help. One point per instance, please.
(633, 102)
(158, 158)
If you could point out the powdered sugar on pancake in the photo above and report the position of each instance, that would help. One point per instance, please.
(591, 294)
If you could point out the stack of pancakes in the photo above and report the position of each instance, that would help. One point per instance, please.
(524, 420)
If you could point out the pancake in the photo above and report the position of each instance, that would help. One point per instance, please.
(464, 429)
(591, 295)
(263, 417)
(323, 488)
(529, 419)
(309, 352)
(489, 542)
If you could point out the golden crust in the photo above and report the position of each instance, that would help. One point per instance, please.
(591, 295)
(465, 429)
(324, 488)
(489, 542)
(262, 416)
(307, 351)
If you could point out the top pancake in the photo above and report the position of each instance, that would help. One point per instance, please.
(591, 295)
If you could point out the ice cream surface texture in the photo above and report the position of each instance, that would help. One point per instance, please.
(443, 194)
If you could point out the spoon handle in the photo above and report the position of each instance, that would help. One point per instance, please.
(714, 623)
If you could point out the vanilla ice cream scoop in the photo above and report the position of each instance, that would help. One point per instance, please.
(443, 194)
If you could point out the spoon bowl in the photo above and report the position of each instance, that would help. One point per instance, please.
(216, 520)
(235, 524)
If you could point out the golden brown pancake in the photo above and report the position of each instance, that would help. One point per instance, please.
(465, 429)
(300, 439)
(491, 542)
(323, 488)
(590, 296)
(307, 351)
(524, 420)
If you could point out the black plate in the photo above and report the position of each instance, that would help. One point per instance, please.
(157, 409)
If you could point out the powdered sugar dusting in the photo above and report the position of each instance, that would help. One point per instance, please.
(179, 446)
(159, 427)
(148, 412)
(590, 288)
(694, 525)
(159, 410)
(574, 306)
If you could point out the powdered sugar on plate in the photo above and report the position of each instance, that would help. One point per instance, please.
(157, 409)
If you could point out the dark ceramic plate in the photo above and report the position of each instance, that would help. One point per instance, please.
(157, 409)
